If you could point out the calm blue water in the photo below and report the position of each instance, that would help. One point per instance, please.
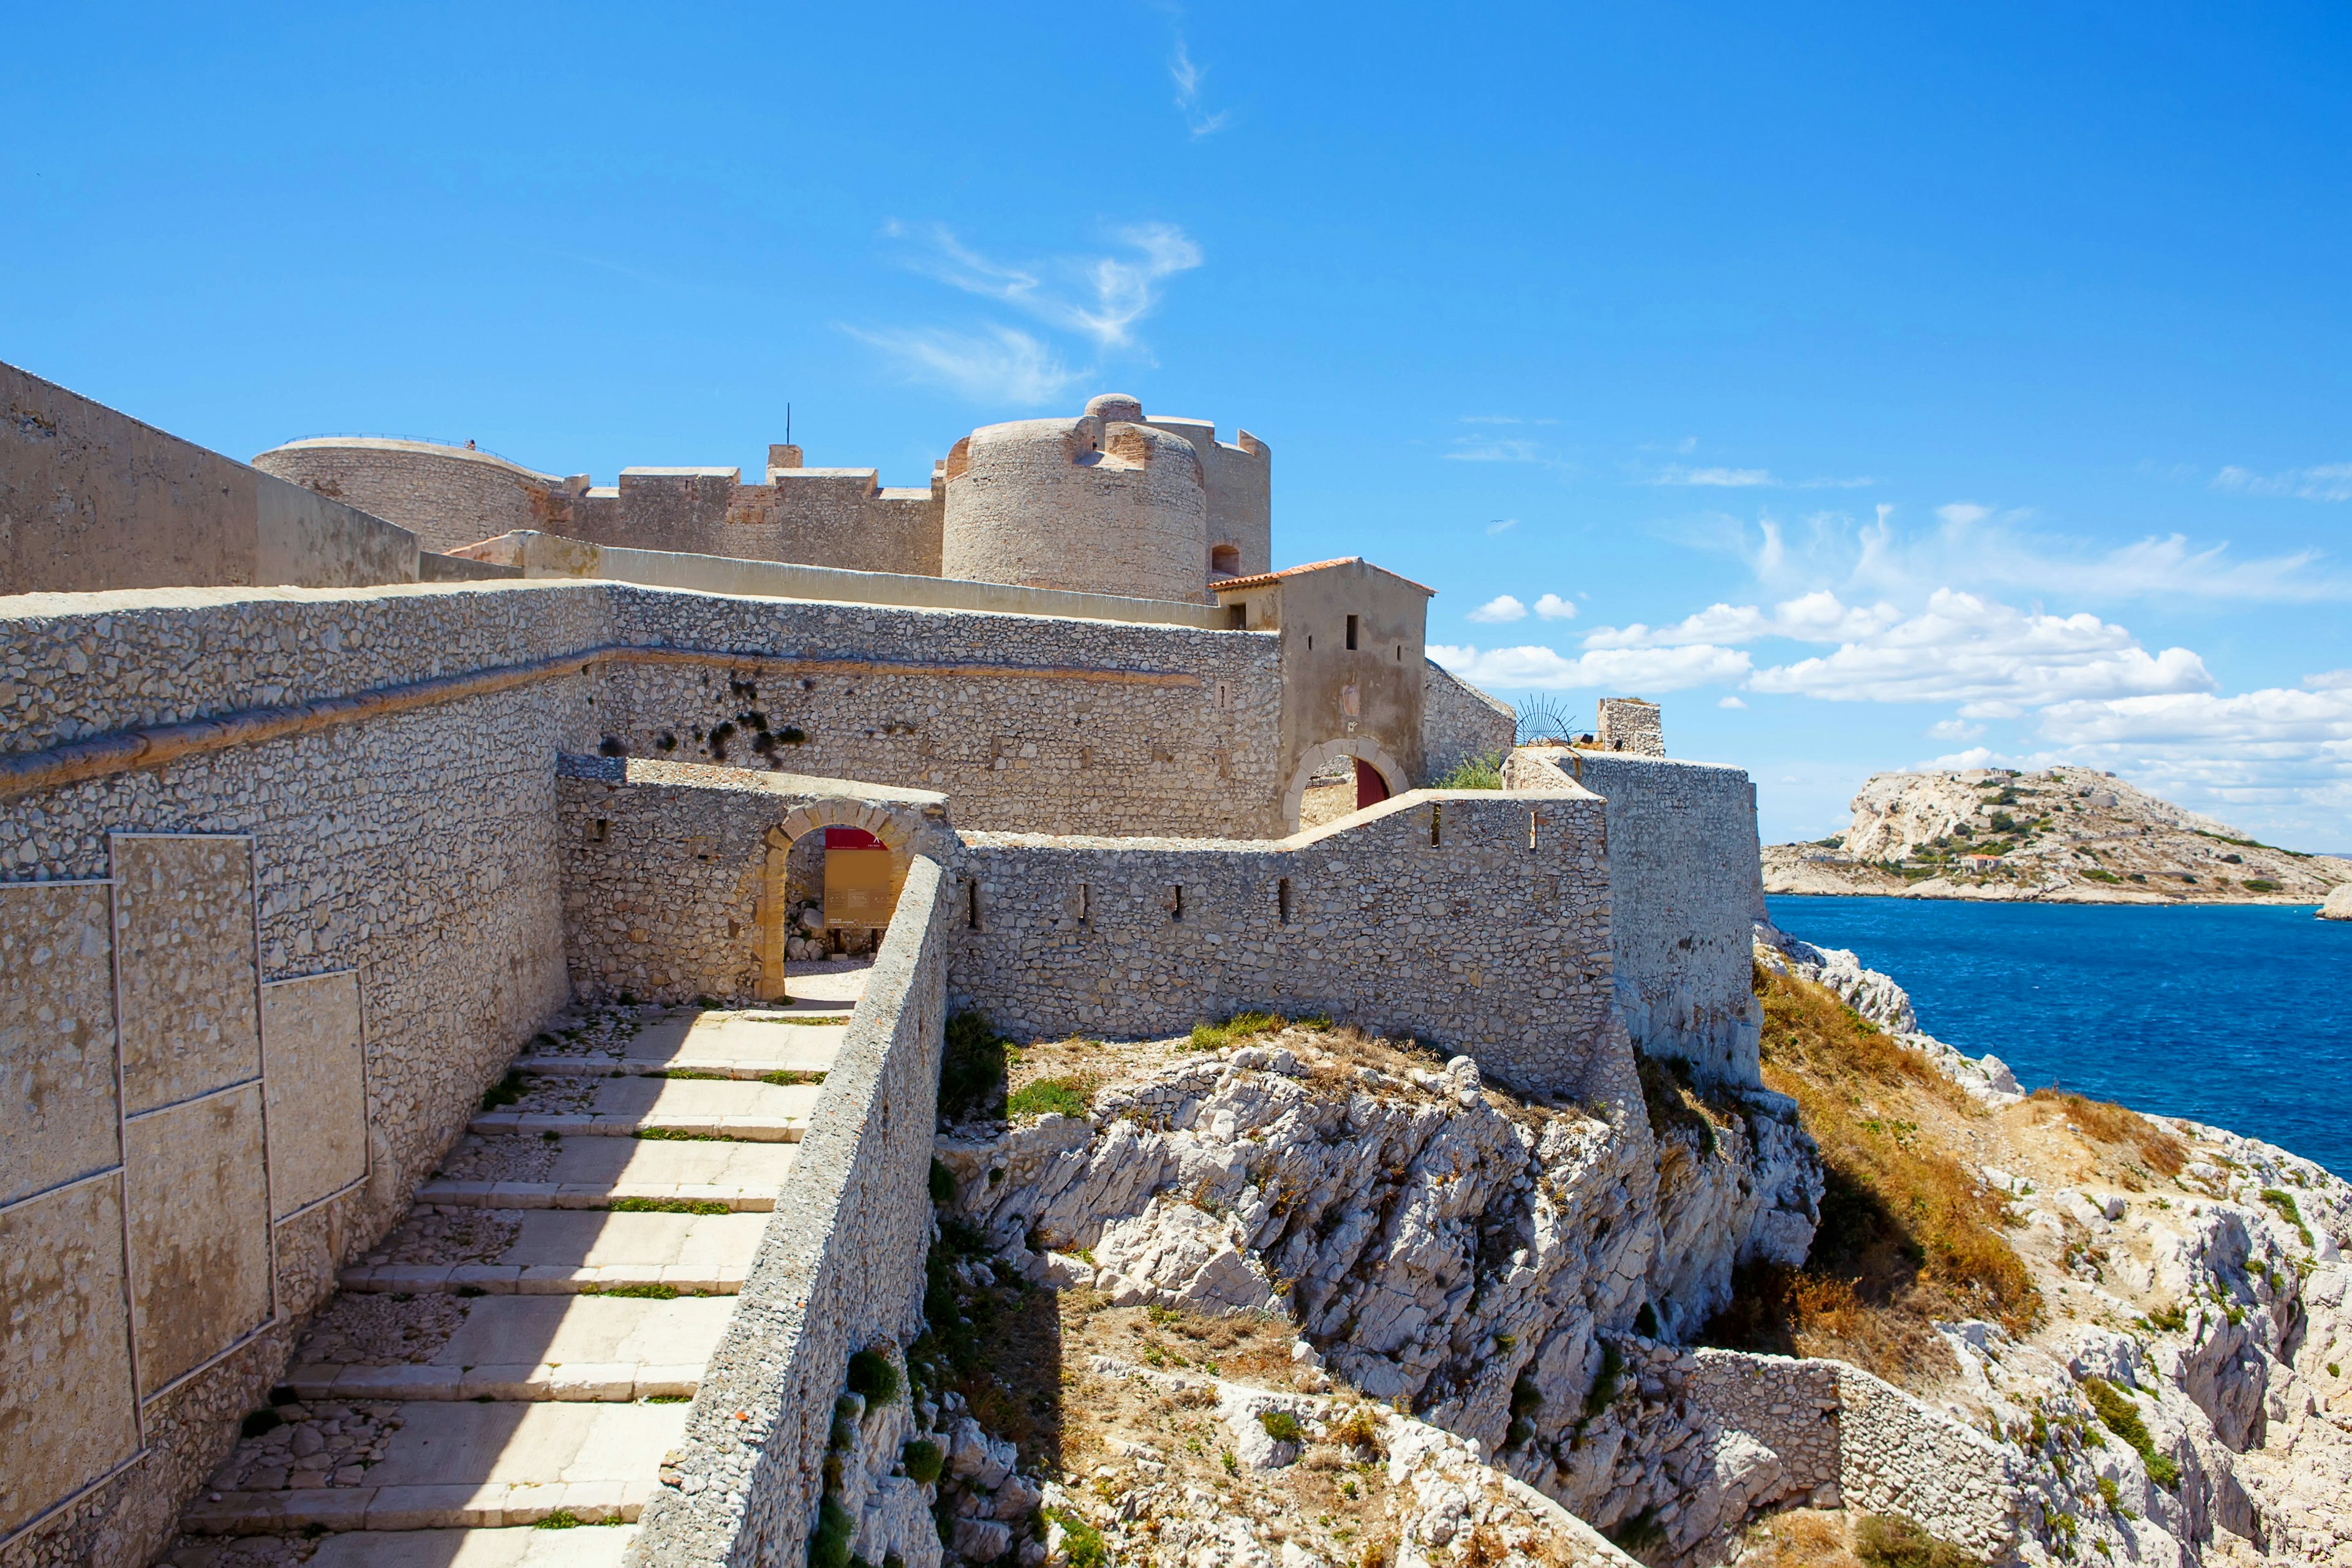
(2235, 1014)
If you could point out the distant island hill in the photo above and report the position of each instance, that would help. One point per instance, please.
(2065, 834)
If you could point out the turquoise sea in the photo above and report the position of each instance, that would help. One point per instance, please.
(2238, 1015)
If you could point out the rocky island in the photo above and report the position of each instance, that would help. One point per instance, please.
(2064, 835)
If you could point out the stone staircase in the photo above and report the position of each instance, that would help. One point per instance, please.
(498, 1385)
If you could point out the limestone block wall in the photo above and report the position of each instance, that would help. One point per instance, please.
(91, 499)
(446, 496)
(1239, 476)
(842, 518)
(1388, 919)
(1458, 722)
(674, 873)
(1026, 722)
(1101, 504)
(1630, 724)
(326, 943)
(1687, 885)
(839, 1270)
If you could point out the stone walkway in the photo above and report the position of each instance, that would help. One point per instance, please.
(495, 1386)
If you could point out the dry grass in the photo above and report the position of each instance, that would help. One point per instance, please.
(1907, 1234)
(2163, 1153)
(1800, 1538)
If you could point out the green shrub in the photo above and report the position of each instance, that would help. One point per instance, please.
(506, 1091)
(1082, 1543)
(2261, 885)
(1280, 1425)
(1891, 1541)
(562, 1519)
(829, 1547)
(923, 1460)
(1474, 773)
(942, 1181)
(2122, 1418)
(1235, 1029)
(2283, 1203)
(788, 1079)
(669, 1206)
(871, 1374)
(1065, 1095)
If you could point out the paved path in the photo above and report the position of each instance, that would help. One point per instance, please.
(513, 1412)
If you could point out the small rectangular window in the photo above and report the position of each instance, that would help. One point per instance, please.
(1352, 634)
(1436, 823)
(598, 829)
(1282, 900)
(1176, 901)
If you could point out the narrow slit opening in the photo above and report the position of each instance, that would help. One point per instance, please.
(971, 905)
(1282, 900)
(1352, 634)
(1436, 823)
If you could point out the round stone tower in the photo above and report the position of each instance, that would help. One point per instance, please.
(1101, 504)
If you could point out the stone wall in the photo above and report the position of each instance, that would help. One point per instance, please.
(400, 935)
(673, 872)
(1240, 479)
(1475, 921)
(1629, 724)
(91, 499)
(1460, 722)
(1026, 721)
(1685, 887)
(839, 1270)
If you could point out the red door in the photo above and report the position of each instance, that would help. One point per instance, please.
(1370, 788)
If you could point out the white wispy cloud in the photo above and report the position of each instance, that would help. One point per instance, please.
(2323, 481)
(1622, 669)
(1188, 78)
(1552, 608)
(1749, 479)
(1496, 449)
(1502, 608)
(995, 364)
(1101, 296)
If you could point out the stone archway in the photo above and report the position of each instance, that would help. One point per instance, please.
(1367, 752)
(897, 837)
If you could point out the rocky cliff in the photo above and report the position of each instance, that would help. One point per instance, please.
(2058, 834)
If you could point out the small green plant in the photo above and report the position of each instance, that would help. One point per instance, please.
(1604, 1382)
(922, 1460)
(1891, 1541)
(668, 1399)
(1082, 1543)
(1232, 1466)
(2332, 1370)
(685, 1073)
(669, 1206)
(2261, 885)
(506, 1091)
(872, 1375)
(637, 1292)
(1474, 773)
(2122, 1418)
(2108, 1493)
(1064, 1096)
(678, 1135)
(2282, 1202)
(1280, 1425)
(1235, 1029)
(788, 1079)
(2168, 1320)
(562, 1519)
(942, 1181)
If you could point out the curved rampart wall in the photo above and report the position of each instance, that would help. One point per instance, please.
(446, 496)
(1097, 505)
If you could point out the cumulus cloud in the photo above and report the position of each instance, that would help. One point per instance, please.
(2323, 481)
(1101, 296)
(1818, 616)
(1552, 608)
(1729, 703)
(995, 364)
(1502, 608)
(1624, 669)
(1995, 660)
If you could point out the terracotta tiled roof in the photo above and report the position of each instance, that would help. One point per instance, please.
(1263, 578)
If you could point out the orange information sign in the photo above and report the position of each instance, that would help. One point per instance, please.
(860, 889)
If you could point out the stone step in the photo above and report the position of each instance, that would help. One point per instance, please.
(742, 1128)
(599, 1546)
(469, 1465)
(807, 1065)
(582, 1382)
(567, 1251)
(603, 1348)
(547, 1279)
(591, 1195)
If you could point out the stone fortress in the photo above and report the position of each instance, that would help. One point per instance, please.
(335, 784)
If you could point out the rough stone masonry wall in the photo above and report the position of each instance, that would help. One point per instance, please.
(1486, 931)
(839, 1270)
(664, 865)
(1685, 887)
(414, 851)
(446, 496)
(1459, 722)
(1630, 725)
(1121, 729)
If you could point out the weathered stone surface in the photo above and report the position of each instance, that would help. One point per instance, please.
(315, 1074)
(66, 1401)
(199, 1223)
(57, 1035)
(191, 1014)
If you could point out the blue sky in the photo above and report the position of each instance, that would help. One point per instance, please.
(1871, 388)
